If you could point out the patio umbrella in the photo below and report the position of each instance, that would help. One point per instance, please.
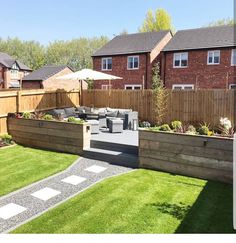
(89, 74)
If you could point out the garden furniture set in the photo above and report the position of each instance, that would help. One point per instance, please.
(114, 120)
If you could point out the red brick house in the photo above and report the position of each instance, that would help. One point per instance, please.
(203, 58)
(46, 78)
(131, 57)
(11, 71)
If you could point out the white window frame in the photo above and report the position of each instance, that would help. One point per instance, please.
(106, 59)
(133, 68)
(15, 71)
(182, 86)
(213, 57)
(232, 57)
(232, 85)
(133, 86)
(106, 86)
(180, 53)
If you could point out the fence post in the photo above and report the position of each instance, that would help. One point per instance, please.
(18, 101)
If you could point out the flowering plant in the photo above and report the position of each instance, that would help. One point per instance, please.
(226, 127)
(225, 123)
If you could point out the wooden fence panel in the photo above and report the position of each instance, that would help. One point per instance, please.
(193, 106)
(34, 100)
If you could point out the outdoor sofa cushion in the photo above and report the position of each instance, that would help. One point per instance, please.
(70, 111)
(57, 113)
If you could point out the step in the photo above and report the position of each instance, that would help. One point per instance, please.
(124, 148)
(112, 157)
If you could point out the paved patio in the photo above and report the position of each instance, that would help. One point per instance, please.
(127, 137)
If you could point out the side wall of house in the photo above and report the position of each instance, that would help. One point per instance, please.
(119, 68)
(34, 84)
(53, 83)
(198, 73)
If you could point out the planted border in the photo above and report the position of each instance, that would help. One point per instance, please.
(52, 135)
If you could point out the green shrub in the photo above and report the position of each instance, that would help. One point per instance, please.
(6, 138)
(71, 119)
(176, 125)
(74, 120)
(26, 115)
(204, 130)
(47, 117)
(165, 128)
(155, 129)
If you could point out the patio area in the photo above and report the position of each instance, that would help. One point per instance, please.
(127, 137)
(114, 148)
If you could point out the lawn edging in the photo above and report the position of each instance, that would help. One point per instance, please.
(192, 155)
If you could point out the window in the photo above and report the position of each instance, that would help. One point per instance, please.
(133, 86)
(233, 57)
(213, 57)
(14, 71)
(133, 62)
(107, 63)
(232, 86)
(106, 86)
(183, 86)
(180, 60)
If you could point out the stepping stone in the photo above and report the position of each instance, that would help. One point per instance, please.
(45, 193)
(95, 169)
(11, 210)
(73, 180)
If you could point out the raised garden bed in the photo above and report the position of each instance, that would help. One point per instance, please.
(192, 155)
(52, 135)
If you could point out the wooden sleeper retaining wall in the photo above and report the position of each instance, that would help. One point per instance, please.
(51, 135)
(197, 156)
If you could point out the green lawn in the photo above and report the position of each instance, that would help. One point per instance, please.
(21, 166)
(142, 201)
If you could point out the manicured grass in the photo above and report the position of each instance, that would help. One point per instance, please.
(21, 166)
(142, 201)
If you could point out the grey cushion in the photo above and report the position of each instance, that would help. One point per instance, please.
(122, 112)
(87, 109)
(112, 113)
(80, 109)
(58, 112)
(70, 111)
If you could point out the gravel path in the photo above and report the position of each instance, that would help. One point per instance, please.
(27, 203)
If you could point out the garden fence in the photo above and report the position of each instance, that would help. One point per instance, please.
(195, 106)
(34, 100)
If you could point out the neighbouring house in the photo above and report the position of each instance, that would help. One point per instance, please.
(11, 71)
(131, 57)
(46, 78)
(203, 58)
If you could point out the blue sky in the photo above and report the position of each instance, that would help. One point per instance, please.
(48, 20)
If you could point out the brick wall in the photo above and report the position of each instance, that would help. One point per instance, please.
(119, 68)
(200, 74)
(31, 85)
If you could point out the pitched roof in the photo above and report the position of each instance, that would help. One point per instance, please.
(44, 73)
(202, 38)
(8, 61)
(132, 43)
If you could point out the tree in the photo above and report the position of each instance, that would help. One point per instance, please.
(75, 53)
(156, 21)
(31, 53)
(220, 22)
(159, 95)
